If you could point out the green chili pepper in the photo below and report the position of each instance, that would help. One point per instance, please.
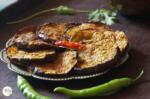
(59, 10)
(107, 17)
(27, 89)
(100, 90)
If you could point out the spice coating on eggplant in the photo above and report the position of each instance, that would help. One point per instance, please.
(122, 41)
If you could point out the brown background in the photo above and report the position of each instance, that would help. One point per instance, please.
(137, 30)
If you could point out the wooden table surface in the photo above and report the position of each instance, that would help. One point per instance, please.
(137, 30)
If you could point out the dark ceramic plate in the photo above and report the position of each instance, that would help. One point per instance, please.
(24, 72)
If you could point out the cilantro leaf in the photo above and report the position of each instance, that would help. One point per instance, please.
(107, 17)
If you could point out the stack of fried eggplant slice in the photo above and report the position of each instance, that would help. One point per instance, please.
(63, 48)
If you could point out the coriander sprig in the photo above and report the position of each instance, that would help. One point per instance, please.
(100, 15)
(107, 17)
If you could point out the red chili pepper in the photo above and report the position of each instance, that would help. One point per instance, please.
(74, 45)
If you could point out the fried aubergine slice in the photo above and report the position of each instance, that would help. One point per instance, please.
(27, 39)
(52, 32)
(63, 64)
(84, 31)
(18, 56)
(98, 55)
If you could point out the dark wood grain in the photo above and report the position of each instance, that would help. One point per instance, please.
(137, 30)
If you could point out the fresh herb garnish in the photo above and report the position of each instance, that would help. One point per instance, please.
(107, 17)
